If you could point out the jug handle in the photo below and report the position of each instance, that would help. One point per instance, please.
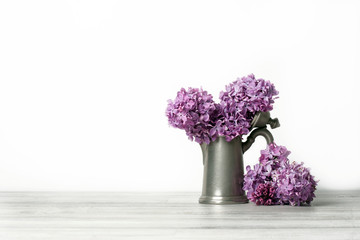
(257, 132)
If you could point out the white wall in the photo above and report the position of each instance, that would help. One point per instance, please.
(84, 87)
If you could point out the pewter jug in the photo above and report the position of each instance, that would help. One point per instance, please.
(224, 167)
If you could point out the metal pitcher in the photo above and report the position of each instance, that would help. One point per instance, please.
(224, 167)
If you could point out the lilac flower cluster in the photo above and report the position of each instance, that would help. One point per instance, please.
(192, 111)
(264, 194)
(204, 120)
(240, 102)
(231, 121)
(292, 182)
(295, 185)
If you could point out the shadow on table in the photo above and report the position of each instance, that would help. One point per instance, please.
(324, 202)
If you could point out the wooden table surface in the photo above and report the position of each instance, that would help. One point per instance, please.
(114, 215)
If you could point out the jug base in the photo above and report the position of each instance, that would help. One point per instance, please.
(223, 200)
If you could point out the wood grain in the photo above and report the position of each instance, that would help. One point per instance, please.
(113, 215)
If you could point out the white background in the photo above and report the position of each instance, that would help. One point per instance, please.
(84, 87)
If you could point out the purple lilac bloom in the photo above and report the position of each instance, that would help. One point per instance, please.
(231, 121)
(240, 102)
(253, 178)
(271, 159)
(274, 155)
(293, 184)
(264, 195)
(204, 120)
(193, 111)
